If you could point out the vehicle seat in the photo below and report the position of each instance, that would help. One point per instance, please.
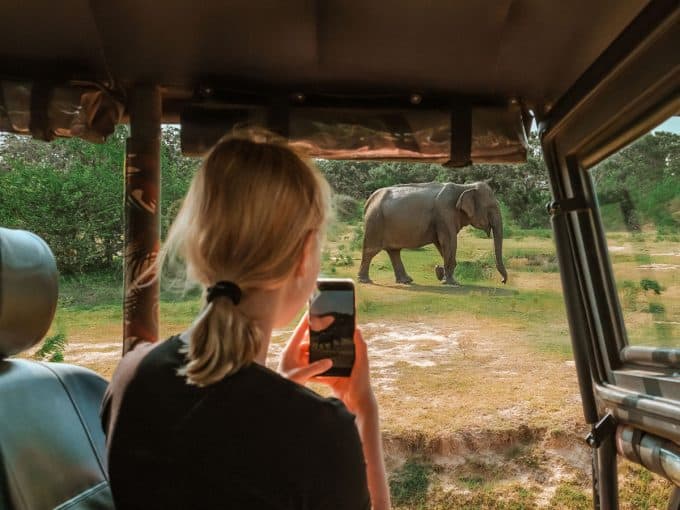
(52, 446)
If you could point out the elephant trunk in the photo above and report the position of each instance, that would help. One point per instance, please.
(497, 229)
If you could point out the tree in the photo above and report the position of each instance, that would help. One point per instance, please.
(70, 192)
(523, 189)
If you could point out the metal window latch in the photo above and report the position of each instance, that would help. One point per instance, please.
(601, 430)
(567, 205)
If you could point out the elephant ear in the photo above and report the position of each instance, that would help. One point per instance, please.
(467, 202)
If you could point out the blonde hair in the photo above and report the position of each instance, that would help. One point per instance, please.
(247, 214)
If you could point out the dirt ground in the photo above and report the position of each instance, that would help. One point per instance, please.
(478, 395)
(469, 399)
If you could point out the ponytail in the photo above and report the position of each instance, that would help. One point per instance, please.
(211, 358)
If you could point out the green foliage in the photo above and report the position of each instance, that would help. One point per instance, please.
(630, 294)
(342, 260)
(569, 496)
(522, 189)
(358, 179)
(408, 485)
(357, 240)
(52, 348)
(643, 490)
(347, 209)
(640, 185)
(647, 284)
(473, 270)
(70, 192)
(656, 308)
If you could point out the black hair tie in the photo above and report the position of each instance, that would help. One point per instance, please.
(226, 289)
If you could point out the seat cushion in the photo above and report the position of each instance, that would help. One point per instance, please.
(52, 446)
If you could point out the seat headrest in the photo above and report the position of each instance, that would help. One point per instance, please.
(28, 290)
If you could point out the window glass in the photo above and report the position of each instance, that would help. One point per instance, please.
(638, 190)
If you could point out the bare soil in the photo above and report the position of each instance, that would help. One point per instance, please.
(469, 397)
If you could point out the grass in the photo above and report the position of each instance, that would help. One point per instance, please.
(571, 495)
(52, 349)
(640, 489)
(409, 484)
(503, 363)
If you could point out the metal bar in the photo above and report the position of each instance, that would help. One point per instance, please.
(655, 453)
(593, 292)
(142, 217)
(578, 320)
(662, 357)
(582, 327)
(604, 302)
(607, 478)
(577, 314)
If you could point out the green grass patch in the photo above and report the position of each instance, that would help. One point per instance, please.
(505, 497)
(409, 485)
(473, 271)
(640, 489)
(52, 348)
(570, 496)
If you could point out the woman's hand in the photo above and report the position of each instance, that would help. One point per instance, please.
(355, 391)
(294, 364)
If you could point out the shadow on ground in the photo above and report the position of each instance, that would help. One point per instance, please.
(449, 289)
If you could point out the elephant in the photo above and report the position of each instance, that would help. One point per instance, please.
(413, 215)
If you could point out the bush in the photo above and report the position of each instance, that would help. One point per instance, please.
(347, 209)
(408, 485)
(473, 271)
(656, 308)
(647, 284)
(357, 241)
(52, 348)
(70, 193)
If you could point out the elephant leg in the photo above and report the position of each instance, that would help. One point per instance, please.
(439, 270)
(447, 245)
(366, 257)
(398, 267)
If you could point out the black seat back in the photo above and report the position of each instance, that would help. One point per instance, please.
(52, 446)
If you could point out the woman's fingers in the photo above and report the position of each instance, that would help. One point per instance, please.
(360, 349)
(303, 374)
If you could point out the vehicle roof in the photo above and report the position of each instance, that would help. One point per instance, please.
(527, 49)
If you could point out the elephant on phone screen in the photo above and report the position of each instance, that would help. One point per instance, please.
(413, 215)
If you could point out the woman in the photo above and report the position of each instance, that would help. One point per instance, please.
(198, 421)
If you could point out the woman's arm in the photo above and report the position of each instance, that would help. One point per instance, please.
(368, 424)
(357, 394)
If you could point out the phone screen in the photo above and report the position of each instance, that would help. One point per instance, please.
(331, 326)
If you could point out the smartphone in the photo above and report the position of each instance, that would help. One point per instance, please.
(331, 325)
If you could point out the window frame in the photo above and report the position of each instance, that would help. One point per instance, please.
(628, 91)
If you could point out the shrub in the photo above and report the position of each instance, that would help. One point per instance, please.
(656, 308)
(52, 348)
(647, 284)
(346, 208)
(472, 271)
(408, 485)
(357, 240)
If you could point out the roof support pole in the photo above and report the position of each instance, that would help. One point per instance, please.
(142, 217)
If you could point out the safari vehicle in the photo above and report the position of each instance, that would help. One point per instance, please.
(446, 82)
